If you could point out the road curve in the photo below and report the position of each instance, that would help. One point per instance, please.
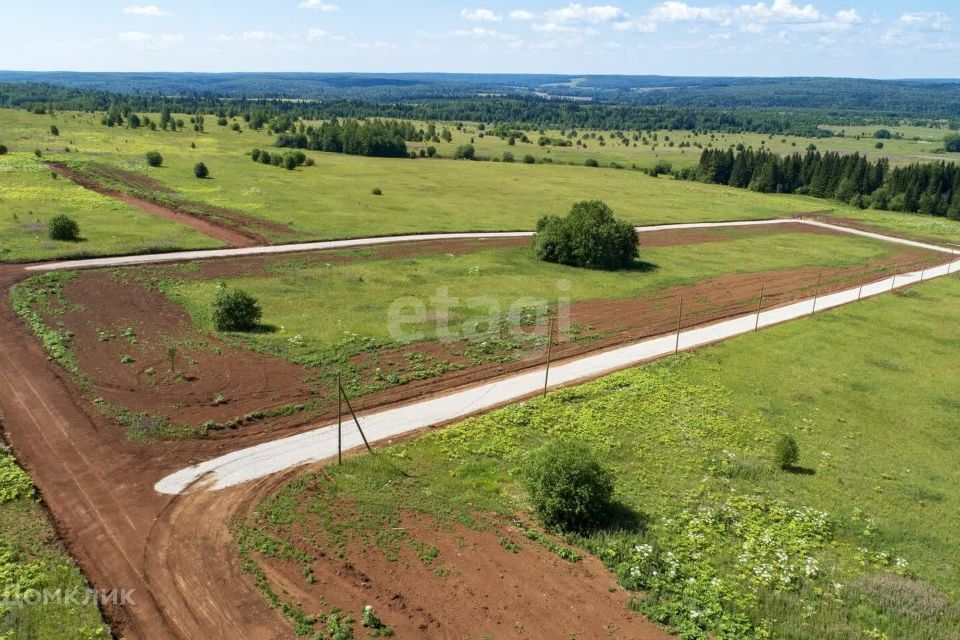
(206, 254)
(318, 444)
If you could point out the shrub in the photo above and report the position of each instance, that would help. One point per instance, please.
(289, 162)
(376, 191)
(786, 452)
(3, 149)
(309, 162)
(951, 143)
(567, 485)
(200, 170)
(465, 152)
(589, 236)
(54, 131)
(507, 156)
(154, 159)
(64, 229)
(529, 159)
(590, 162)
(235, 310)
(255, 155)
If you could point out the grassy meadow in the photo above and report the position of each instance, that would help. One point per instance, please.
(857, 541)
(319, 310)
(917, 144)
(30, 197)
(335, 199)
(33, 560)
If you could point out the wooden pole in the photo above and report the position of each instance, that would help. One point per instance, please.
(676, 348)
(339, 422)
(923, 270)
(896, 269)
(759, 306)
(863, 277)
(357, 422)
(816, 292)
(546, 375)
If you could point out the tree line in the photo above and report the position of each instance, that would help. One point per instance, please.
(522, 113)
(931, 187)
(378, 138)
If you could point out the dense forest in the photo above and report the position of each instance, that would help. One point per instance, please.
(932, 188)
(883, 98)
(520, 113)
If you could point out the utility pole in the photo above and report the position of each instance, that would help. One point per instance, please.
(676, 348)
(546, 375)
(759, 306)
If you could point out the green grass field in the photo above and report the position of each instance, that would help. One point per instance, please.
(33, 561)
(334, 198)
(916, 145)
(323, 302)
(859, 542)
(30, 197)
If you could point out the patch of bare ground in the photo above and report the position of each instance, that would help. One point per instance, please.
(466, 585)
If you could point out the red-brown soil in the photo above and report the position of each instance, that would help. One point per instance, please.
(177, 553)
(231, 227)
(247, 381)
(474, 588)
(204, 367)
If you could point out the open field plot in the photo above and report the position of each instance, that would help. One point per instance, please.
(142, 346)
(334, 198)
(33, 562)
(30, 196)
(680, 148)
(855, 541)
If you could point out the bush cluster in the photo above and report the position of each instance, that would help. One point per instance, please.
(235, 310)
(64, 228)
(289, 160)
(154, 159)
(589, 236)
(568, 486)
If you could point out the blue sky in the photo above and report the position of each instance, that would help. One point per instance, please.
(880, 39)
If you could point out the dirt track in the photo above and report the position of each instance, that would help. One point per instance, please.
(176, 553)
(231, 236)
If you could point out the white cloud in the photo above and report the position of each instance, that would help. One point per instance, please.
(932, 20)
(682, 12)
(480, 15)
(553, 27)
(779, 11)
(639, 26)
(318, 5)
(257, 35)
(481, 32)
(319, 35)
(575, 12)
(150, 10)
(142, 40)
(522, 15)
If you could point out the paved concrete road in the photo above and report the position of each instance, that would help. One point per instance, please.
(319, 444)
(180, 256)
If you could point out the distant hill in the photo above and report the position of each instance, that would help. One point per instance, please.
(921, 98)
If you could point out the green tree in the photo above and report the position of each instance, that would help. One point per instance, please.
(64, 229)
(154, 159)
(200, 170)
(951, 143)
(786, 452)
(54, 130)
(568, 486)
(3, 149)
(589, 236)
(235, 310)
(465, 152)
